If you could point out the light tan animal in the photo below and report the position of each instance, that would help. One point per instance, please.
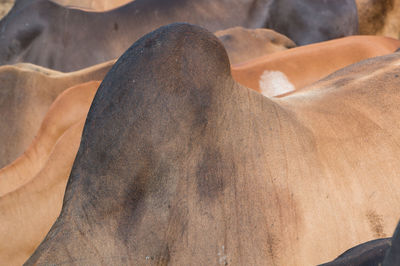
(245, 44)
(293, 69)
(26, 93)
(27, 213)
(34, 199)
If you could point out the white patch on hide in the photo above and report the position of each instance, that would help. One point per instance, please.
(274, 83)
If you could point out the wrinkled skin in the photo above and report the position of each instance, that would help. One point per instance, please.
(245, 44)
(192, 168)
(37, 31)
(26, 93)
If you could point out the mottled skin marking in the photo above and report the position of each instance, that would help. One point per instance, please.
(376, 223)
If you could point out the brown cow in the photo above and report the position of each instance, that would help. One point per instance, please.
(27, 91)
(70, 107)
(245, 44)
(290, 70)
(180, 165)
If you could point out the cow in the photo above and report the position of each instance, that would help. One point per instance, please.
(69, 107)
(384, 251)
(26, 93)
(47, 34)
(244, 44)
(26, 214)
(28, 210)
(179, 164)
(291, 70)
(379, 17)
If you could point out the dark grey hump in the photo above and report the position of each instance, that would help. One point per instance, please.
(398, 50)
(148, 124)
(179, 61)
(370, 253)
(392, 257)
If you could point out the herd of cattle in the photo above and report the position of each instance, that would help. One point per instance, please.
(207, 132)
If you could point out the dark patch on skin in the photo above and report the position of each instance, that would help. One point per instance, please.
(116, 26)
(376, 223)
(341, 82)
(165, 257)
(372, 15)
(50, 61)
(226, 38)
(210, 174)
(398, 50)
(132, 205)
(272, 247)
(26, 37)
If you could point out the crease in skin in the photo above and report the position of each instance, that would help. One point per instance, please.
(27, 91)
(69, 107)
(27, 213)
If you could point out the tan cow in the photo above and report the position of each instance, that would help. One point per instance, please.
(29, 209)
(244, 44)
(70, 107)
(290, 70)
(191, 168)
(27, 213)
(26, 93)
